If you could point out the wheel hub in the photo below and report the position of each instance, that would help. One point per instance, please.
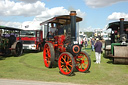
(67, 63)
(82, 61)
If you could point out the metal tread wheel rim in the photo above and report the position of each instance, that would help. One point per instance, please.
(48, 55)
(83, 62)
(66, 63)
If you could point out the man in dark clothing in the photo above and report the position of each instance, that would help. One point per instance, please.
(98, 49)
(60, 30)
(92, 44)
(86, 42)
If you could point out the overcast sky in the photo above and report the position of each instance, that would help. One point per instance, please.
(96, 14)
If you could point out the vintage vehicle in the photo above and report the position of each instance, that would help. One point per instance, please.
(98, 33)
(32, 37)
(8, 42)
(117, 47)
(64, 47)
(32, 40)
(82, 37)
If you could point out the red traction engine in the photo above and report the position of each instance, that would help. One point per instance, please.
(64, 48)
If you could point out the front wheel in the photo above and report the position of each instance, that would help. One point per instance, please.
(66, 63)
(83, 62)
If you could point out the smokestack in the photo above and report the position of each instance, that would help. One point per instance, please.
(73, 25)
(121, 26)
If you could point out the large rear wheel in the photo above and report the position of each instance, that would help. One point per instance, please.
(48, 55)
(17, 49)
(83, 62)
(66, 63)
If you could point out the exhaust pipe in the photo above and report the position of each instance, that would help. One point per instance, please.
(73, 25)
(123, 36)
(121, 26)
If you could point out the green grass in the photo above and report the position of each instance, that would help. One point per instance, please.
(30, 66)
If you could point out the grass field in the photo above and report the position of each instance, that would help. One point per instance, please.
(30, 66)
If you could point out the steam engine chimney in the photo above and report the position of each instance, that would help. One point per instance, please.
(121, 26)
(73, 25)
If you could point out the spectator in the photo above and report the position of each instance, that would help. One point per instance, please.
(98, 47)
(86, 42)
(92, 44)
(82, 42)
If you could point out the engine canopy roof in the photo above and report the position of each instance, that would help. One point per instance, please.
(63, 19)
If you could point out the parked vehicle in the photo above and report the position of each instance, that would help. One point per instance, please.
(64, 48)
(98, 33)
(8, 42)
(117, 47)
(33, 38)
(81, 38)
(106, 36)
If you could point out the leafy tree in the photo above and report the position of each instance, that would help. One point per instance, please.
(89, 34)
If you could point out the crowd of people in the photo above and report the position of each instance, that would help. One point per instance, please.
(96, 45)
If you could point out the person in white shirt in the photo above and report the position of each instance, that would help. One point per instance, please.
(52, 30)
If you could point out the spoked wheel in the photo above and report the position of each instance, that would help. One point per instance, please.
(66, 63)
(83, 62)
(49, 55)
(17, 49)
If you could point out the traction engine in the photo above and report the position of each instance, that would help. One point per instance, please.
(64, 48)
(9, 43)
